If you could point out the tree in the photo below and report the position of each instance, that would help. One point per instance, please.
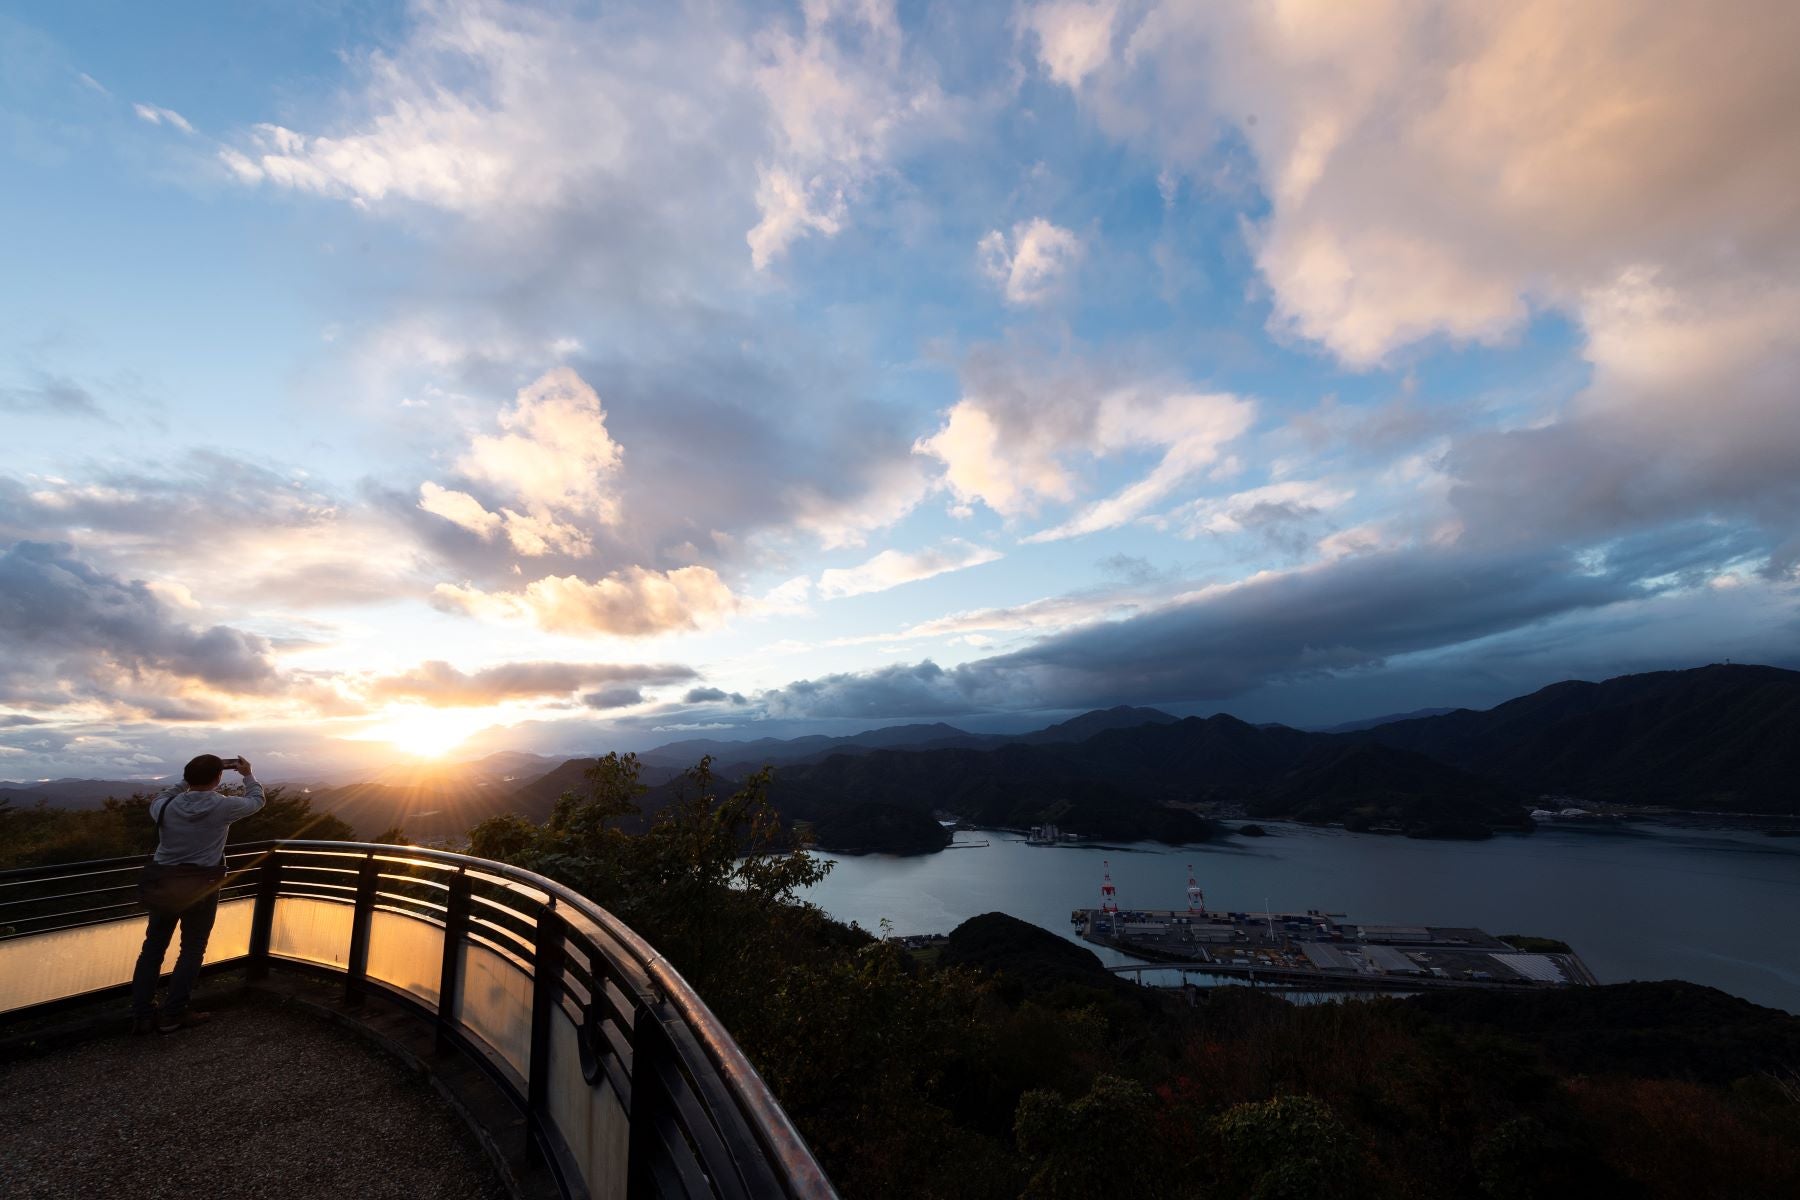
(1100, 1143)
(1287, 1148)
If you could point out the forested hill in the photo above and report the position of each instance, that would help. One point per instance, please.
(1720, 738)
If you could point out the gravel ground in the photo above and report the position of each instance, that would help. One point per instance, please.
(257, 1103)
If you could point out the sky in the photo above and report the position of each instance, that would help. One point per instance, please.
(459, 375)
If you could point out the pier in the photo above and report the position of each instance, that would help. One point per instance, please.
(1318, 951)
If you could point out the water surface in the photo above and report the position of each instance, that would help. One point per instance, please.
(1719, 907)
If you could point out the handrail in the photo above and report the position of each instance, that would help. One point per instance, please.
(254, 870)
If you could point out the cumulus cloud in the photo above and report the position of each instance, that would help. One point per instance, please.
(439, 684)
(1074, 37)
(891, 568)
(554, 459)
(267, 537)
(1030, 265)
(1011, 440)
(70, 632)
(1435, 173)
(635, 602)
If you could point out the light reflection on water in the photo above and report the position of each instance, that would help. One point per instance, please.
(1718, 907)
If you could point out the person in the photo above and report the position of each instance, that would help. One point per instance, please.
(180, 885)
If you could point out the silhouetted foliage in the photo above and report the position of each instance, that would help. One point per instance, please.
(42, 835)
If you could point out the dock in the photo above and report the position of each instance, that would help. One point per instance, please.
(1317, 951)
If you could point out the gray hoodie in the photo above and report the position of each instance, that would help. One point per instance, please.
(194, 824)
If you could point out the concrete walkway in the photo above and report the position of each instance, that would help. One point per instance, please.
(260, 1102)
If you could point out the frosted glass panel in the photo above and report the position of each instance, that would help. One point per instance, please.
(590, 1118)
(495, 1003)
(315, 931)
(407, 953)
(70, 962)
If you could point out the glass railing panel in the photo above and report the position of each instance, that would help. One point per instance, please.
(314, 931)
(494, 1002)
(407, 953)
(593, 1123)
(72, 962)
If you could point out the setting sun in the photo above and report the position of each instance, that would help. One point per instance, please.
(427, 732)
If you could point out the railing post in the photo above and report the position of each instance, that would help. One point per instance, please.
(456, 927)
(450, 974)
(649, 1047)
(262, 915)
(357, 968)
(546, 991)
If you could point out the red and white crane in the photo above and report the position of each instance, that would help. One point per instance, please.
(1196, 897)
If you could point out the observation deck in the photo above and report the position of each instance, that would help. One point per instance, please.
(600, 1072)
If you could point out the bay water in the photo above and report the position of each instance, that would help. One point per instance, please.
(1638, 901)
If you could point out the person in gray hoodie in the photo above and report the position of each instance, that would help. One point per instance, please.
(180, 885)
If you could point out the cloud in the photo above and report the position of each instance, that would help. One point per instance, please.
(613, 697)
(635, 602)
(503, 112)
(1321, 622)
(917, 690)
(70, 632)
(1011, 440)
(92, 84)
(1450, 174)
(51, 395)
(891, 568)
(1074, 37)
(839, 92)
(1033, 264)
(555, 459)
(442, 685)
(1190, 428)
(459, 508)
(1436, 172)
(157, 116)
(712, 695)
(269, 536)
(1278, 512)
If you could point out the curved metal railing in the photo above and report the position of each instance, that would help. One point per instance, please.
(628, 1082)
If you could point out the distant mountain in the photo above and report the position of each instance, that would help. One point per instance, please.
(74, 793)
(684, 754)
(1080, 729)
(502, 767)
(434, 801)
(1197, 758)
(1381, 787)
(1372, 722)
(1011, 785)
(1721, 738)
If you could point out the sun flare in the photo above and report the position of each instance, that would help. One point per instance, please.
(426, 732)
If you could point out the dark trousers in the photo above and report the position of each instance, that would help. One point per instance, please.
(196, 923)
